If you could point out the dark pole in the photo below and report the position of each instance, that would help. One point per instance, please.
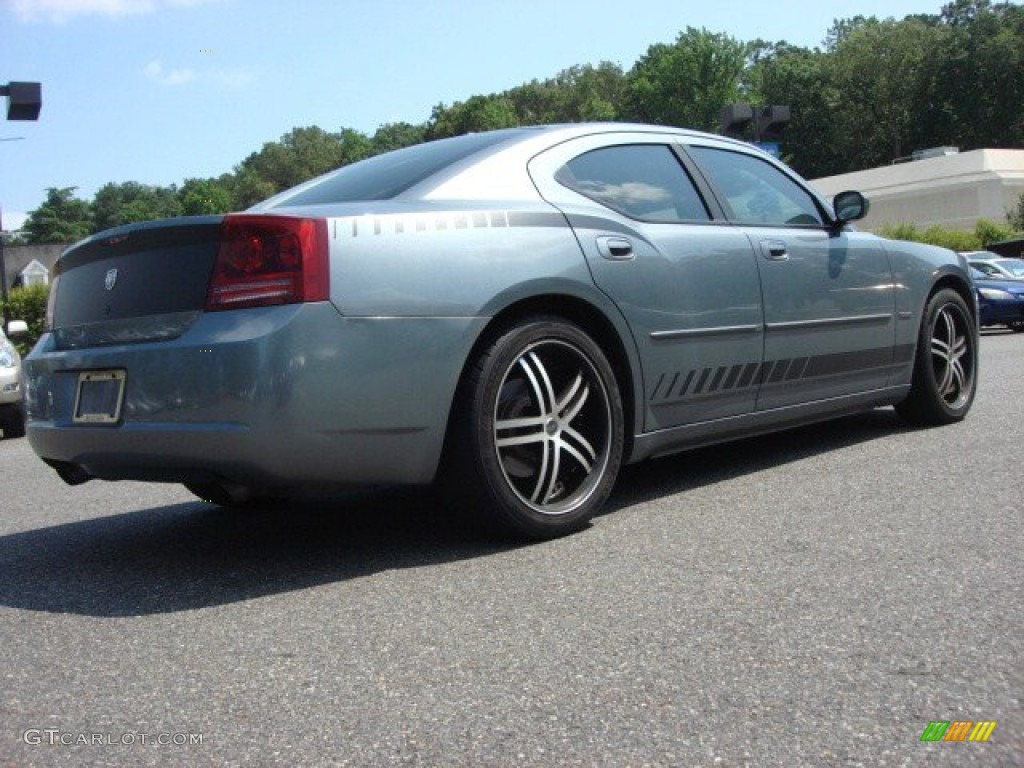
(24, 100)
(3, 273)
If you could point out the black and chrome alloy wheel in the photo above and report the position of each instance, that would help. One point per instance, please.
(552, 427)
(952, 356)
(946, 367)
(540, 440)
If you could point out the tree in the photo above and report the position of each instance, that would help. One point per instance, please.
(116, 204)
(576, 94)
(982, 74)
(392, 136)
(687, 83)
(476, 114)
(802, 79)
(1015, 216)
(355, 146)
(203, 196)
(301, 154)
(62, 218)
(247, 187)
(878, 71)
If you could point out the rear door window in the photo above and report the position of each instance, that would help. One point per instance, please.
(641, 181)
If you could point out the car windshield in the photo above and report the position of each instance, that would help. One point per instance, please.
(1014, 266)
(385, 176)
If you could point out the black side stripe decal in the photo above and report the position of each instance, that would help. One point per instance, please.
(726, 378)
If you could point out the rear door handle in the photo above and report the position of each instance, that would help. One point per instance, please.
(774, 250)
(615, 248)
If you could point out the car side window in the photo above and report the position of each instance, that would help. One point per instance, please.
(755, 191)
(642, 181)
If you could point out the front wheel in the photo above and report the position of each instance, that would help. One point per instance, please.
(946, 365)
(537, 435)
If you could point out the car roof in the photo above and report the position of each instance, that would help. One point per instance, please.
(495, 167)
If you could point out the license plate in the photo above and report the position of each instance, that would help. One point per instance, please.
(99, 397)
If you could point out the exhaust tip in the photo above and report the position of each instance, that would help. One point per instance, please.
(72, 474)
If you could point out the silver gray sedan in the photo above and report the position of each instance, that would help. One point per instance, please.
(511, 315)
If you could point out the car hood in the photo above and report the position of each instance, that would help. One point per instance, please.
(1010, 286)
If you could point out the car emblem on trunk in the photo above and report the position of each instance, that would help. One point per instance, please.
(111, 280)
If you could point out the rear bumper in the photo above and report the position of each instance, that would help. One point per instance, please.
(268, 397)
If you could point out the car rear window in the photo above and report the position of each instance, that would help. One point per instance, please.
(385, 176)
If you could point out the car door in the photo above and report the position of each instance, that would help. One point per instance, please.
(687, 285)
(829, 298)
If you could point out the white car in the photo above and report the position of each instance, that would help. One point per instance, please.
(995, 266)
(12, 414)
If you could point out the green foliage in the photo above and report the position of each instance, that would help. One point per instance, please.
(204, 196)
(687, 83)
(391, 136)
(28, 304)
(116, 204)
(301, 154)
(957, 240)
(62, 218)
(985, 233)
(988, 232)
(878, 70)
(577, 94)
(1015, 216)
(476, 114)
(247, 187)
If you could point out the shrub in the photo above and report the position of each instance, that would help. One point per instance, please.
(989, 232)
(28, 304)
(985, 233)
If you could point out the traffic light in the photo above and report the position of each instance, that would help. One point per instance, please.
(736, 119)
(771, 121)
(24, 100)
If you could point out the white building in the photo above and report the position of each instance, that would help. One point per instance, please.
(952, 190)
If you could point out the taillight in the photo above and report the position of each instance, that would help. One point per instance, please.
(266, 260)
(51, 299)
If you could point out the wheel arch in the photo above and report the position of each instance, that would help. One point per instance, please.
(616, 343)
(957, 283)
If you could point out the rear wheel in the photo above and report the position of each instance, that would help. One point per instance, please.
(946, 366)
(1017, 326)
(537, 437)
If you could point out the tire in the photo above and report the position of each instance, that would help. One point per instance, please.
(537, 435)
(946, 366)
(13, 422)
(1017, 326)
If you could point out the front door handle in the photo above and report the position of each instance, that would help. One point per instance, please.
(774, 250)
(615, 248)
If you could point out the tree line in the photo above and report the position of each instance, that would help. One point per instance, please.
(874, 91)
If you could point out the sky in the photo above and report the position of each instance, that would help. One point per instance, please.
(158, 91)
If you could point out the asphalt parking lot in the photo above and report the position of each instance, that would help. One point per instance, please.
(812, 598)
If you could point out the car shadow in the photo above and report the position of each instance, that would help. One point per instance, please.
(194, 555)
(680, 472)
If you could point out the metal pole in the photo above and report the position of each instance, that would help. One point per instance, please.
(3, 273)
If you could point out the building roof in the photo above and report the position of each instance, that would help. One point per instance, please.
(952, 190)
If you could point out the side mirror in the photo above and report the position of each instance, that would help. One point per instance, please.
(17, 328)
(850, 206)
